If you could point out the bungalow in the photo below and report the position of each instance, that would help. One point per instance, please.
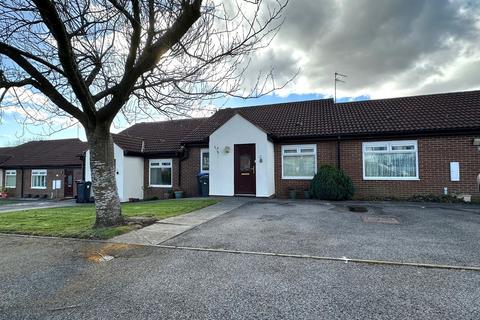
(46, 169)
(396, 147)
(150, 160)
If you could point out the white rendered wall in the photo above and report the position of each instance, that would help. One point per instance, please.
(238, 130)
(88, 172)
(119, 170)
(133, 175)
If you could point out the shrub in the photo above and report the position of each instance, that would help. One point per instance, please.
(476, 199)
(435, 198)
(331, 184)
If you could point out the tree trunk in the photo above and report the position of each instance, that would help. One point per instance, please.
(102, 164)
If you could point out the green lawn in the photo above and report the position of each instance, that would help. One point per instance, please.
(77, 221)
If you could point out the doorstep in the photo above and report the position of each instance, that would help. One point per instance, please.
(166, 229)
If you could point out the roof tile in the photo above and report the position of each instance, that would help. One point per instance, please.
(46, 153)
(164, 136)
(323, 118)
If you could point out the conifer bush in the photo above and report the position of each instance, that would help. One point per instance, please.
(331, 183)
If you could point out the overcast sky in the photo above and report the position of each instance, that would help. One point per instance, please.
(387, 48)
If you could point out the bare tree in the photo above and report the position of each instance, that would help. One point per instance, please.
(90, 60)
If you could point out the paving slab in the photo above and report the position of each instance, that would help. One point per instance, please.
(166, 229)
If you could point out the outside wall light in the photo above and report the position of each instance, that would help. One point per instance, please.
(226, 149)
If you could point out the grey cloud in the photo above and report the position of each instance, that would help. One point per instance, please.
(278, 61)
(466, 79)
(403, 42)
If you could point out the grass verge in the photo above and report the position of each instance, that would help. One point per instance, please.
(77, 221)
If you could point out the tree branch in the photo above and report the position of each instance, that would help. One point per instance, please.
(135, 37)
(42, 83)
(150, 57)
(35, 58)
(5, 84)
(95, 71)
(65, 53)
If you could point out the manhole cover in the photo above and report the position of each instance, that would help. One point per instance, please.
(376, 219)
(357, 209)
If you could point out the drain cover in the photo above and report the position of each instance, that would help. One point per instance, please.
(357, 209)
(383, 220)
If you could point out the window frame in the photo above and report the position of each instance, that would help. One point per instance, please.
(202, 151)
(298, 148)
(43, 173)
(160, 166)
(389, 145)
(9, 173)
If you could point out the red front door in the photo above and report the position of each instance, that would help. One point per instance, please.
(68, 183)
(244, 166)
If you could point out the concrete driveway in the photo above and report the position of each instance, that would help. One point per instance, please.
(62, 279)
(406, 232)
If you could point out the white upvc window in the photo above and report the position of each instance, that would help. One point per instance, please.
(11, 179)
(39, 179)
(161, 173)
(299, 161)
(390, 160)
(204, 160)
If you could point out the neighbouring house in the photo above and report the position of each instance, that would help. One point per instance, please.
(150, 160)
(396, 147)
(42, 169)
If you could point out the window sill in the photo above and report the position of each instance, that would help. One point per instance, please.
(6, 187)
(391, 179)
(159, 186)
(297, 178)
(39, 188)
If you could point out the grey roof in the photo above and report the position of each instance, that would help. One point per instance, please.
(48, 153)
(322, 118)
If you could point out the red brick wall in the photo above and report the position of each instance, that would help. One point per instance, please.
(434, 153)
(161, 193)
(14, 192)
(77, 176)
(434, 156)
(190, 167)
(52, 174)
(326, 154)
